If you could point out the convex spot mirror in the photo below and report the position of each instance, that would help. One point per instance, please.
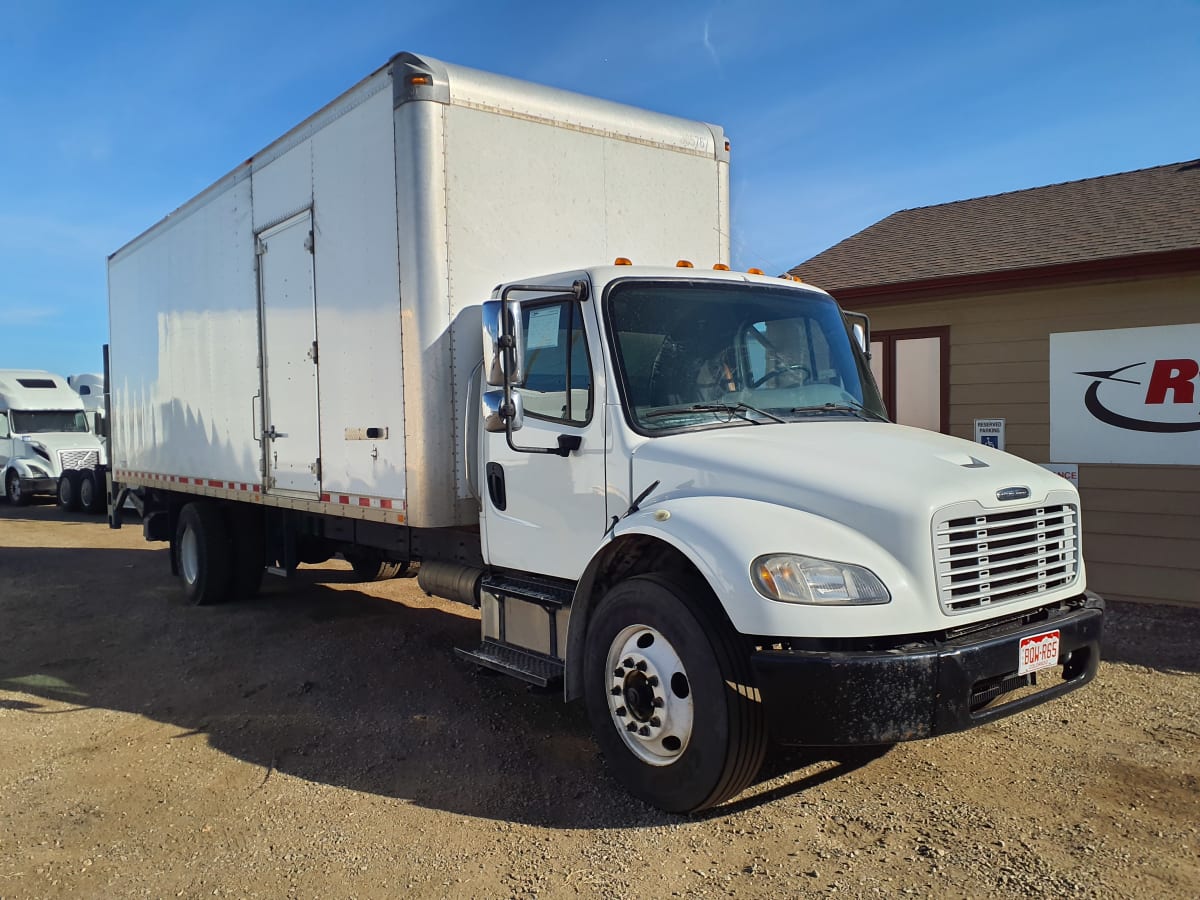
(503, 343)
(498, 416)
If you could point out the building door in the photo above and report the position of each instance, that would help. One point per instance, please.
(912, 369)
(287, 315)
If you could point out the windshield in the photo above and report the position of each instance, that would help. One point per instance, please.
(702, 356)
(48, 421)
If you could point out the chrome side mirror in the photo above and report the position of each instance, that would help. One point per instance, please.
(499, 416)
(503, 343)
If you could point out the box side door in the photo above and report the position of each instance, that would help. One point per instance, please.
(287, 317)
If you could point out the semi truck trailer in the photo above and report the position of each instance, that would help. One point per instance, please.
(410, 332)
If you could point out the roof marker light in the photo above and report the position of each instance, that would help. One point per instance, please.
(755, 271)
(622, 261)
(420, 79)
(683, 264)
(721, 267)
(727, 146)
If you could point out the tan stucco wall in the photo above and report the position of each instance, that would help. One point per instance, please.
(1141, 523)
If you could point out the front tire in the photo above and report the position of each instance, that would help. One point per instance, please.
(204, 554)
(68, 490)
(671, 696)
(13, 490)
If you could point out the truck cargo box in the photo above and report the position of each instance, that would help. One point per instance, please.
(302, 333)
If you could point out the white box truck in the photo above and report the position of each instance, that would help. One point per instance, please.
(396, 334)
(47, 442)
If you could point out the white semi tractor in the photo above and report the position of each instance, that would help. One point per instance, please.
(398, 334)
(47, 442)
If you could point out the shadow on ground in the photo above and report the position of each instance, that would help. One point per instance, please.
(321, 681)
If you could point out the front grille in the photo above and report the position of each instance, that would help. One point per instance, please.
(78, 459)
(999, 557)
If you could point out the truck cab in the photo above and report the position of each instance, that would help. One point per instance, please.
(700, 466)
(47, 444)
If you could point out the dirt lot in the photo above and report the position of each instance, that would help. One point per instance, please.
(324, 741)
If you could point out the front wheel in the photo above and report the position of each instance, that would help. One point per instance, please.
(17, 495)
(91, 494)
(671, 697)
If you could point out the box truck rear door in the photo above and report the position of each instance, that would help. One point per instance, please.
(287, 314)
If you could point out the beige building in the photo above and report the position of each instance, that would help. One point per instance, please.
(964, 298)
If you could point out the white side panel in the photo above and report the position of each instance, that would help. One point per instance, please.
(551, 198)
(283, 187)
(358, 303)
(184, 334)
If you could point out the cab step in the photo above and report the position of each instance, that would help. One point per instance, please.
(534, 668)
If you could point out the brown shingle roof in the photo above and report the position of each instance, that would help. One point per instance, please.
(1115, 216)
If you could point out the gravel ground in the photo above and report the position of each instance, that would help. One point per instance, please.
(325, 741)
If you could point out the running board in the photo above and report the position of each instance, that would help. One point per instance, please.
(531, 667)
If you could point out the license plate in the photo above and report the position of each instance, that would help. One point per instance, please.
(1038, 651)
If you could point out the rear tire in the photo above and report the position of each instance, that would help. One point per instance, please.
(204, 554)
(68, 490)
(657, 660)
(91, 496)
(248, 545)
(371, 567)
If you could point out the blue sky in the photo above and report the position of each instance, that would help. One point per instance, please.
(114, 114)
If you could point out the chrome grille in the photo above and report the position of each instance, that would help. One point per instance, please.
(78, 459)
(998, 557)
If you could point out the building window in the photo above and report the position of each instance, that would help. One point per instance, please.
(912, 369)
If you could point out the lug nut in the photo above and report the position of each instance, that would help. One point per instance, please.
(632, 726)
(641, 666)
(616, 692)
(621, 711)
(655, 721)
(618, 673)
(627, 662)
(643, 731)
(658, 702)
(652, 681)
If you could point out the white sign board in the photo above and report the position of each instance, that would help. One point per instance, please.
(990, 432)
(1128, 395)
(1069, 471)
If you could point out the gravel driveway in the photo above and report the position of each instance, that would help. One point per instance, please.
(324, 741)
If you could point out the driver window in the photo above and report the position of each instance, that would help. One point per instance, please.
(4, 432)
(558, 372)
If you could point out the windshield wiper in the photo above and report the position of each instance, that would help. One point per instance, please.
(851, 407)
(735, 409)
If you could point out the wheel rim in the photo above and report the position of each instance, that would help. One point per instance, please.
(64, 491)
(189, 556)
(14, 488)
(649, 695)
(85, 491)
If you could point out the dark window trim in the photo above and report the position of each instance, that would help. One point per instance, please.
(576, 315)
(888, 388)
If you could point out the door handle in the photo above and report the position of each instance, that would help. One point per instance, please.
(495, 485)
(273, 434)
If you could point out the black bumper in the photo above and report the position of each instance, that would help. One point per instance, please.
(819, 698)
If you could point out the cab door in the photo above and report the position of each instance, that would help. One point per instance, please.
(545, 513)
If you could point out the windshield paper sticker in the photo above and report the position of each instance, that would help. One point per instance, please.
(543, 328)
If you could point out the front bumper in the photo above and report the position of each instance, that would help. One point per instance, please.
(821, 698)
(39, 485)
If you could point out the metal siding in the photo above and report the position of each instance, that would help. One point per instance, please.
(184, 345)
(358, 301)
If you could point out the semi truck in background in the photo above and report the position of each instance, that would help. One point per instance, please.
(399, 334)
(48, 444)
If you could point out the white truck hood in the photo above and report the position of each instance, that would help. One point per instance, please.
(882, 481)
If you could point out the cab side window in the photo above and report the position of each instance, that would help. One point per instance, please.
(4, 432)
(558, 370)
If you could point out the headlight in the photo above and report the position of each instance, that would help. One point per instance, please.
(803, 579)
